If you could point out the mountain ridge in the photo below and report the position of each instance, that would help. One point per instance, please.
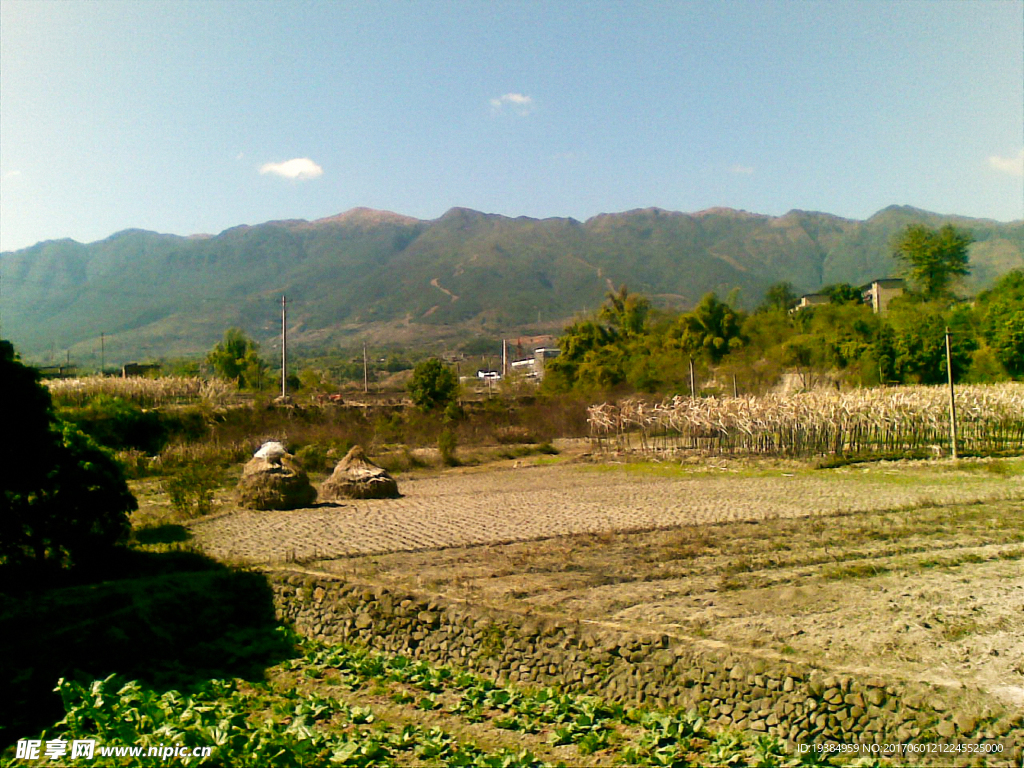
(382, 276)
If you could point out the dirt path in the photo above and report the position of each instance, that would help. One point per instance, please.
(436, 283)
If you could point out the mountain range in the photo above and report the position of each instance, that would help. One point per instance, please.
(376, 276)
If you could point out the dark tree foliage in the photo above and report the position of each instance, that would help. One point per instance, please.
(595, 352)
(843, 293)
(433, 385)
(64, 499)
(237, 358)
(920, 348)
(933, 258)
(711, 330)
(626, 313)
(1001, 319)
(779, 296)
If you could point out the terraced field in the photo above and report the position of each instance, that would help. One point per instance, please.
(481, 506)
(908, 570)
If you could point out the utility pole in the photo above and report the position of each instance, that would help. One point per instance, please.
(284, 347)
(103, 353)
(952, 398)
(366, 379)
(693, 381)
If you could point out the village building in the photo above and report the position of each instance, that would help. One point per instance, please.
(811, 300)
(878, 293)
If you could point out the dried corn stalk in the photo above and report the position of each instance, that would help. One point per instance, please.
(990, 418)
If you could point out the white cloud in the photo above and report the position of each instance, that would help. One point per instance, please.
(1012, 165)
(12, 175)
(298, 168)
(746, 170)
(515, 101)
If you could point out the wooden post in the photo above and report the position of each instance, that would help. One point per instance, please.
(693, 381)
(952, 399)
(366, 380)
(284, 347)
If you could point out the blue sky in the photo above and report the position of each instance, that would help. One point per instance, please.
(189, 117)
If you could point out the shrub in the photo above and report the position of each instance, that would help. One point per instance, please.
(446, 445)
(433, 385)
(64, 499)
(191, 490)
(513, 434)
(119, 424)
(322, 456)
(134, 463)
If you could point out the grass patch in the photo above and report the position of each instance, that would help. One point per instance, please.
(959, 630)
(191, 490)
(166, 533)
(854, 571)
(708, 469)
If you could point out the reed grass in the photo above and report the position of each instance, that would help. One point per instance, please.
(148, 393)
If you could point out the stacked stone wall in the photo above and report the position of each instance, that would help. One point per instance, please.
(790, 700)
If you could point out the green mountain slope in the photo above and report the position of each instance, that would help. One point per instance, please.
(385, 277)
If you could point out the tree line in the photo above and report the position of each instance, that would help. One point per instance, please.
(628, 345)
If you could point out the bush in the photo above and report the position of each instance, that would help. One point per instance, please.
(433, 385)
(322, 456)
(513, 434)
(446, 445)
(134, 463)
(191, 490)
(116, 423)
(64, 499)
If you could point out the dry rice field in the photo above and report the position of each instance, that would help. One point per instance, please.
(496, 505)
(910, 570)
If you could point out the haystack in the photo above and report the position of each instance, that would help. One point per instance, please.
(273, 480)
(356, 477)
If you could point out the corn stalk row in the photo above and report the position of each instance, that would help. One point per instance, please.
(901, 419)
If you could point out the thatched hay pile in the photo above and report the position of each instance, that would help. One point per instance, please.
(356, 477)
(273, 480)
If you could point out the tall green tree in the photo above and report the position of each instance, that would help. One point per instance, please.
(779, 296)
(626, 312)
(842, 293)
(711, 330)
(933, 259)
(594, 350)
(1000, 316)
(433, 385)
(63, 499)
(237, 358)
(919, 342)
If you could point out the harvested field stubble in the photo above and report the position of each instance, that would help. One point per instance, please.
(904, 570)
(465, 508)
(933, 594)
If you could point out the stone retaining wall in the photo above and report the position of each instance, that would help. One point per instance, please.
(793, 701)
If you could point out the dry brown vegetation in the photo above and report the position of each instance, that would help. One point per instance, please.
(990, 418)
(165, 390)
(909, 569)
(926, 591)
